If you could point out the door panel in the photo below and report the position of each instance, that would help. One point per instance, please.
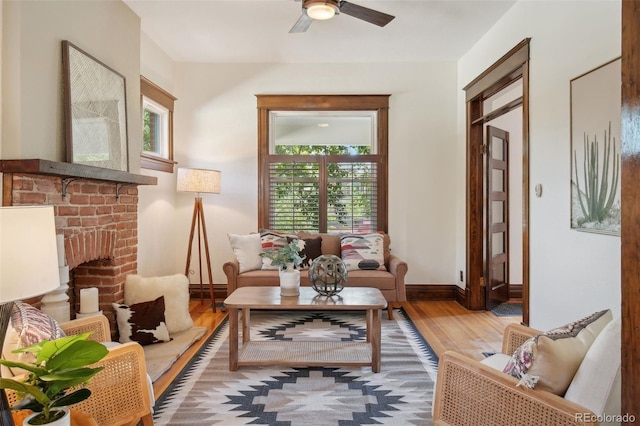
(497, 217)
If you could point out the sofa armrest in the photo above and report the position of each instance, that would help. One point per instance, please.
(471, 393)
(515, 335)
(231, 270)
(97, 324)
(398, 268)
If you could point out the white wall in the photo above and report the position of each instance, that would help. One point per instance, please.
(32, 119)
(216, 127)
(572, 273)
(158, 230)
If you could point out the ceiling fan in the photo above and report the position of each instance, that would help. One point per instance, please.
(325, 9)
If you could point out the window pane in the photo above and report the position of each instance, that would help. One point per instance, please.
(294, 197)
(352, 195)
(340, 132)
(152, 132)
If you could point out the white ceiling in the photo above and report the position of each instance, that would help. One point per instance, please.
(258, 30)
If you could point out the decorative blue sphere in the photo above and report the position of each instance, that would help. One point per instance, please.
(328, 274)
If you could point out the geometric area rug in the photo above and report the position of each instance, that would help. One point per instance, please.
(207, 393)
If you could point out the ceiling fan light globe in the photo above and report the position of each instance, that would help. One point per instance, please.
(321, 10)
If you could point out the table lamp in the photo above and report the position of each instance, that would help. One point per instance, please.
(199, 181)
(28, 265)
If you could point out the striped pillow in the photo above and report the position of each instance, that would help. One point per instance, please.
(33, 325)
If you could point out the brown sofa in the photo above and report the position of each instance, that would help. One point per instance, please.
(389, 281)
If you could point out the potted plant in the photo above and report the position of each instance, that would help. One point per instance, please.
(59, 366)
(286, 258)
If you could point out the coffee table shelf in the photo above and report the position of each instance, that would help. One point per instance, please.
(310, 354)
(304, 353)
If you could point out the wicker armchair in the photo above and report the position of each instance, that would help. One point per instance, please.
(120, 392)
(471, 393)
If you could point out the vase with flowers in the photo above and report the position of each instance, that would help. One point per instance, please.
(286, 259)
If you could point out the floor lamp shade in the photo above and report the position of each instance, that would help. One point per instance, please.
(198, 180)
(28, 252)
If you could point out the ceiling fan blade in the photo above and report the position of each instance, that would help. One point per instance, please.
(303, 23)
(372, 16)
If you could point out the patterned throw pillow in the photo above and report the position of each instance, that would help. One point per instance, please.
(550, 360)
(356, 248)
(33, 325)
(273, 240)
(142, 322)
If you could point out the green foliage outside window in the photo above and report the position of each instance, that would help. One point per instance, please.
(147, 143)
(350, 189)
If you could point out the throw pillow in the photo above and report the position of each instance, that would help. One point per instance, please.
(142, 322)
(272, 240)
(550, 360)
(247, 249)
(33, 325)
(312, 249)
(356, 248)
(174, 288)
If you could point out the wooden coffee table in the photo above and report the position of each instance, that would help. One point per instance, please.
(301, 353)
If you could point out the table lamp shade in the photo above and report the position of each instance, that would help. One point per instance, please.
(198, 180)
(28, 252)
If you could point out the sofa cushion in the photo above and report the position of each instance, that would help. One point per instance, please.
(247, 250)
(596, 384)
(550, 360)
(496, 361)
(356, 248)
(330, 242)
(174, 288)
(142, 322)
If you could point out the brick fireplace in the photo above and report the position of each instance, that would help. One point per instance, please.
(95, 209)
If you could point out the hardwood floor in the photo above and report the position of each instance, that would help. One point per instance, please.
(445, 324)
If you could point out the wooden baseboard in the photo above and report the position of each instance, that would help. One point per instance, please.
(431, 292)
(515, 291)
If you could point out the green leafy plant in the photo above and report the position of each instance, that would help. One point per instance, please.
(288, 254)
(599, 192)
(60, 365)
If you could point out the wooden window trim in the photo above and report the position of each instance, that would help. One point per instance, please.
(152, 91)
(378, 103)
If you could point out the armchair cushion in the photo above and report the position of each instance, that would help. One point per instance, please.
(552, 358)
(142, 322)
(596, 384)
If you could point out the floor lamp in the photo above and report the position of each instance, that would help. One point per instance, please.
(199, 181)
(28, 265)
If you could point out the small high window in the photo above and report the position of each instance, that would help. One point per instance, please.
(157, 127)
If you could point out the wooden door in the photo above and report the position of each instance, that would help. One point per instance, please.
(496, 210)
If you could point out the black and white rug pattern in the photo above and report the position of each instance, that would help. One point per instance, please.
(207, 393)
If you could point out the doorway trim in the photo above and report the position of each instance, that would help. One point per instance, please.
(514, 65)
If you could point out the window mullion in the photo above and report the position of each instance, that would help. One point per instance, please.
(323, 204)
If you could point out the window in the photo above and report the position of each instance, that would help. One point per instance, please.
(157, 127)
(323, 170)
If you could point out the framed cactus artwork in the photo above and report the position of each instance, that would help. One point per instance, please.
(595, 150)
